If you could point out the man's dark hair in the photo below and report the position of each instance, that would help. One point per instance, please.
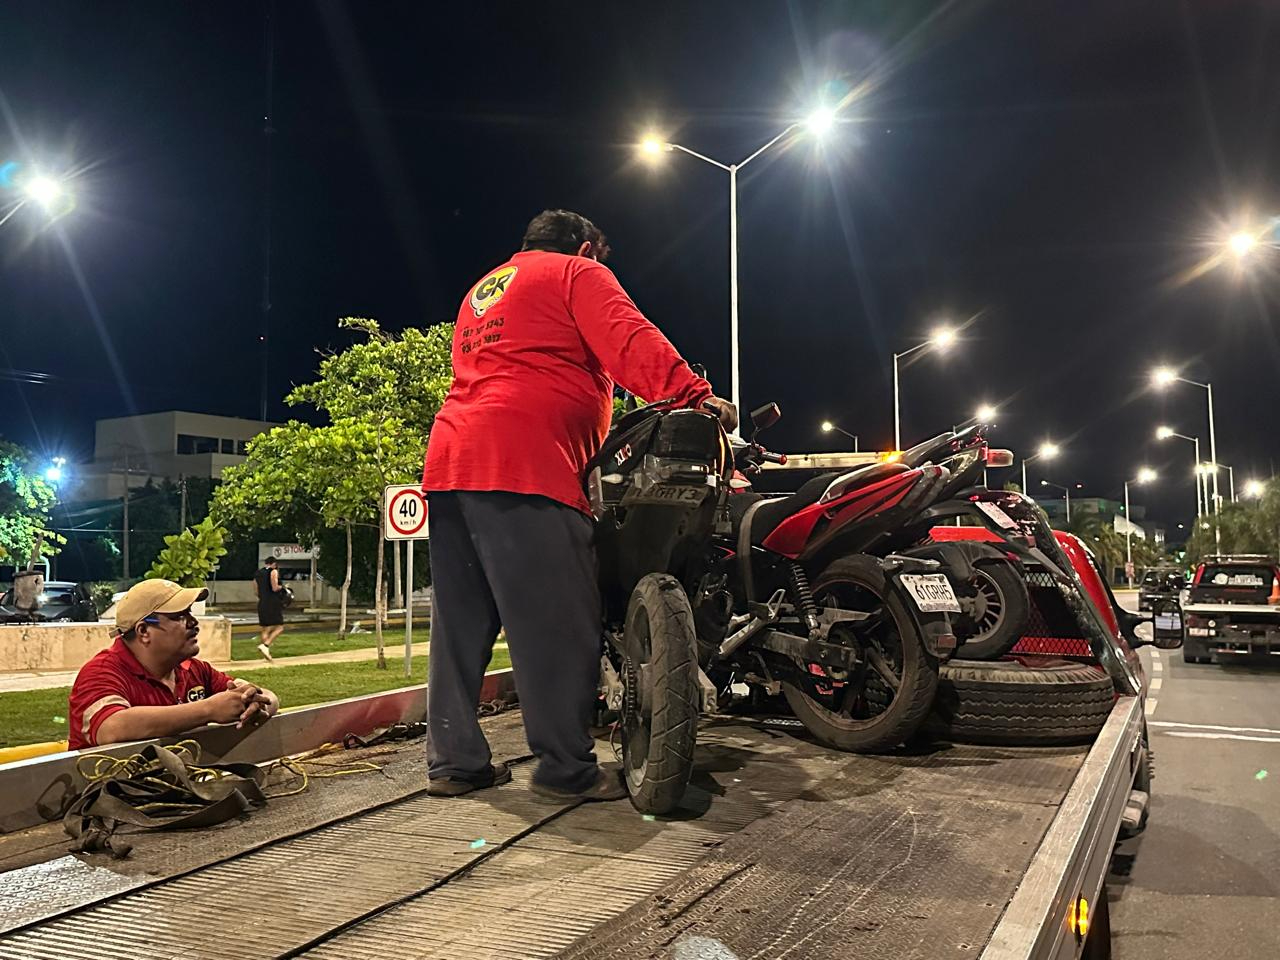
(563, 231)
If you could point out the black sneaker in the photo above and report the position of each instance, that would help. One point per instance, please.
(608, 786)
(455, 786)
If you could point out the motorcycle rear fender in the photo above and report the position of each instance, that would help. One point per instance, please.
(934, 629)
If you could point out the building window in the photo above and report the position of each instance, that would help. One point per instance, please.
(228, 446)
(242, 447)
(189, 444)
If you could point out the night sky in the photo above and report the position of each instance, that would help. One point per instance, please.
(1056, 169)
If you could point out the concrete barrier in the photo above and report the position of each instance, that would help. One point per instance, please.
(42, 647)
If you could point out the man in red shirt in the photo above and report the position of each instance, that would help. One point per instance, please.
(539, 344)
(148, 683)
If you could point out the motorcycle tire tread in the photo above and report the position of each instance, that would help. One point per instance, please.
(919, 683)
(1012, 703)
(674, 721)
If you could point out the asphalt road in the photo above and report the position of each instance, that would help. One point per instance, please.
(1203, 881)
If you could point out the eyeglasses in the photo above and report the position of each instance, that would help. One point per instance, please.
(181, 617)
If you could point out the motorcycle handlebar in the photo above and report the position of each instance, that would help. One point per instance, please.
(778, 458)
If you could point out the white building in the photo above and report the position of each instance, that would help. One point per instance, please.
(162, 445)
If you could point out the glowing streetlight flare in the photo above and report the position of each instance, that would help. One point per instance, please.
(44, 190)
(986, 413)
(1146, 475)
(827, 426)
(1164, 433)
(1163, 376)
(943, 337)
(821, 121)
(1242, 243)
(1048, 450)
(1254, 488)
(653, 147)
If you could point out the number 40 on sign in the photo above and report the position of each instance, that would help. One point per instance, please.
(405, 511)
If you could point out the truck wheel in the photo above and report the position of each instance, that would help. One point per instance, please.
(1031, 700)
(877, 707)
(1003, 607)
(660, 709)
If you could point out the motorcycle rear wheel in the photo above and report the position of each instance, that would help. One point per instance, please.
(876, 707)
(660, 677)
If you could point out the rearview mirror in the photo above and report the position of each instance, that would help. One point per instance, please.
(762, 418)
(1166, 624)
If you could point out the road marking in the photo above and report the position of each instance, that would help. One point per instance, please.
(1150, 707)
(1156, 684)
(1210, 726)
(1219, 736)
(1157, 665)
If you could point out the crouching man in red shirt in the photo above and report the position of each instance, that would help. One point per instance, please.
(539, 344)
(148, 683)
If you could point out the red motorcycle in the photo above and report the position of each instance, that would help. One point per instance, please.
(704, 589)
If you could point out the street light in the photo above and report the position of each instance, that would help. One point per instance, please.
(1231, 475)
(1202, 495)
(829, 427)
(1145, 475)
(651, 147)
(1242, 243)
(1165, 376)
(941, 339)
(986, 413)
(54, 473)
(1047, 451)
(1066, 492)
(48, 193)
(1254, 488)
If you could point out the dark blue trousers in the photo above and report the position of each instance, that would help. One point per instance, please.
(526, 564)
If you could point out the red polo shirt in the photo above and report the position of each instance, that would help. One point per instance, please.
(538, 345)
(114, 680)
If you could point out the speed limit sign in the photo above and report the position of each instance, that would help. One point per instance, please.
(405, 510)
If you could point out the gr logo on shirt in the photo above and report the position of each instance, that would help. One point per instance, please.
(195, 693)
(491, 289)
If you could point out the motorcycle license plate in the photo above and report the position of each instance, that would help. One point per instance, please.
(931, 591)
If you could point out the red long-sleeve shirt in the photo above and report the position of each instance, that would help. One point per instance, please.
(539, 343)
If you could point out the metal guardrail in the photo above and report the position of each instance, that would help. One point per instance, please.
(40, 789)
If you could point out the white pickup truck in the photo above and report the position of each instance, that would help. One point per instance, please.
(1232, 609)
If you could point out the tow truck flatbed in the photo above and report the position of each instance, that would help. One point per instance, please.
(783, 849)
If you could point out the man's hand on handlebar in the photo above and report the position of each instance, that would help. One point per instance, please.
(725, 410)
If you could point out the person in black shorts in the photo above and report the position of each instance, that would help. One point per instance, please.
(270, 593)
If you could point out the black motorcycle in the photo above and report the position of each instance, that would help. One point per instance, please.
(704, 588)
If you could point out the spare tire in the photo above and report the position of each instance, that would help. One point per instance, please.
(1027, 701)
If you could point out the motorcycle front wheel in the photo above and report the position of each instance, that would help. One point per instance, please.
(885, 699)
(660, 682)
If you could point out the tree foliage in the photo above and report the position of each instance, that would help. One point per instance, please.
(26, 501)
(190, 557)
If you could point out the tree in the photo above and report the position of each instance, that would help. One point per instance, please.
(26, 501)
(190, 557)
(381, 397)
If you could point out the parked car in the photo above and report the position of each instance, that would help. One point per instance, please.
(1159, 585)
(1230, 610)
(61, 600)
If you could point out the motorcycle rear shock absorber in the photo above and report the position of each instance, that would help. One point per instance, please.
(803, 595)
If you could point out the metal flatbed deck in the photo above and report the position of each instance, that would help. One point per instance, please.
(783, 849)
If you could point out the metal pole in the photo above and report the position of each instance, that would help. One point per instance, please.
(1199, 483)
(1128, 537)
(408, 609)
(124, 552)
(182, 512)
(897, 416)
(1231, 472)
(313, 577)
(733, 286)
(1024, 477)
(1213, 455)
(1067, 491)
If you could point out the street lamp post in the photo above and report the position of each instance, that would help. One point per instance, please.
(1066, 492)
(49, 194)
(829, 427)
(1145, 475)
(817, 123)
(942, 338)
(1164, 376)
(1048, 451)
(1166, 433)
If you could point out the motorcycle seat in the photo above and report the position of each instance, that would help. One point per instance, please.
(770, 514)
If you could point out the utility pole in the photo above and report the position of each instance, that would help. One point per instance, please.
(182, 512)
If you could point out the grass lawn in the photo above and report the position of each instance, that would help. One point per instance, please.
(297, 643)
(36, 716)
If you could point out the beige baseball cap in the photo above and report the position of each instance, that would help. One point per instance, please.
(154, 596)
